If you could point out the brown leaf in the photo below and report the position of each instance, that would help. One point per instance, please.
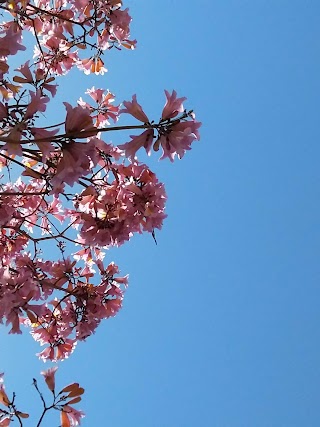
(22, 414)
(76, 392)
(19, 79)
(70, 387)
(74, 401)
(32, 317)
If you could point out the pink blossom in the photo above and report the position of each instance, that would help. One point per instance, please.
(46, 84)
(78, 119)
(56, 210)
(13, 318)
(58, 57)
(49, 375)
(3, 111)
(122, 208)
(100, 150)
(173, 106)
(46, 354)
(135, 110)
(112, 306)
(25, 71)
(73, 414)
(92, 65)
(137, 141)
(58, 300)
(96, 94)
(13, 146)
(104, 110)
(120, 20)
(73, 164)
(45, 147)
(65, 349)
(5, 421)
(178, 139)
(38, 103)
(10, 43)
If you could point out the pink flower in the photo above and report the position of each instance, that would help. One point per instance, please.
(104, 110)
(92, 65)
(38, 103)
(10, 43)
(44, 146)
(59, 58)
(137, 141)
(46, 354)
(73, 164)
(178, 139)
(49, 377)
(73, 415)
(64, 350)
(96, 94)
(135, 110)
(3, 111)
(41, 74)
(134, 202)
(13, 318)
(5, 421)
(25, 71)
(173, 106)
(120, 20)
(100, 150)
(78, 119)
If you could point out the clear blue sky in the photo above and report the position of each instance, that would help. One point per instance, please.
(220, 325)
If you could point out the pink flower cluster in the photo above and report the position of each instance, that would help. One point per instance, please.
(26, 281)
(74, 191)
(118, 200)
(133, 202)
(175, 136)
(107, 213)
(60, 323)
(104, 110)
(74, 188)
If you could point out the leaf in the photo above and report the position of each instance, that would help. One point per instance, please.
(127, 45)
(32, 173)
(74, 401)
(14, 88)
(78, 392)
(70, 387)
(22, 414)
(19, 79)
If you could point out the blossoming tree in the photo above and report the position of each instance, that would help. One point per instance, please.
(73, 187)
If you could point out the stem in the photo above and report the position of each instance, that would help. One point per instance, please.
(18, 163)
(81, 134)
(41, 417)
(16, 193)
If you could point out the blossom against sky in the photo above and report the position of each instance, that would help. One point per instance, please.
(219, 323)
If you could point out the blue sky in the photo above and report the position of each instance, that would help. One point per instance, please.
(220, 325)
